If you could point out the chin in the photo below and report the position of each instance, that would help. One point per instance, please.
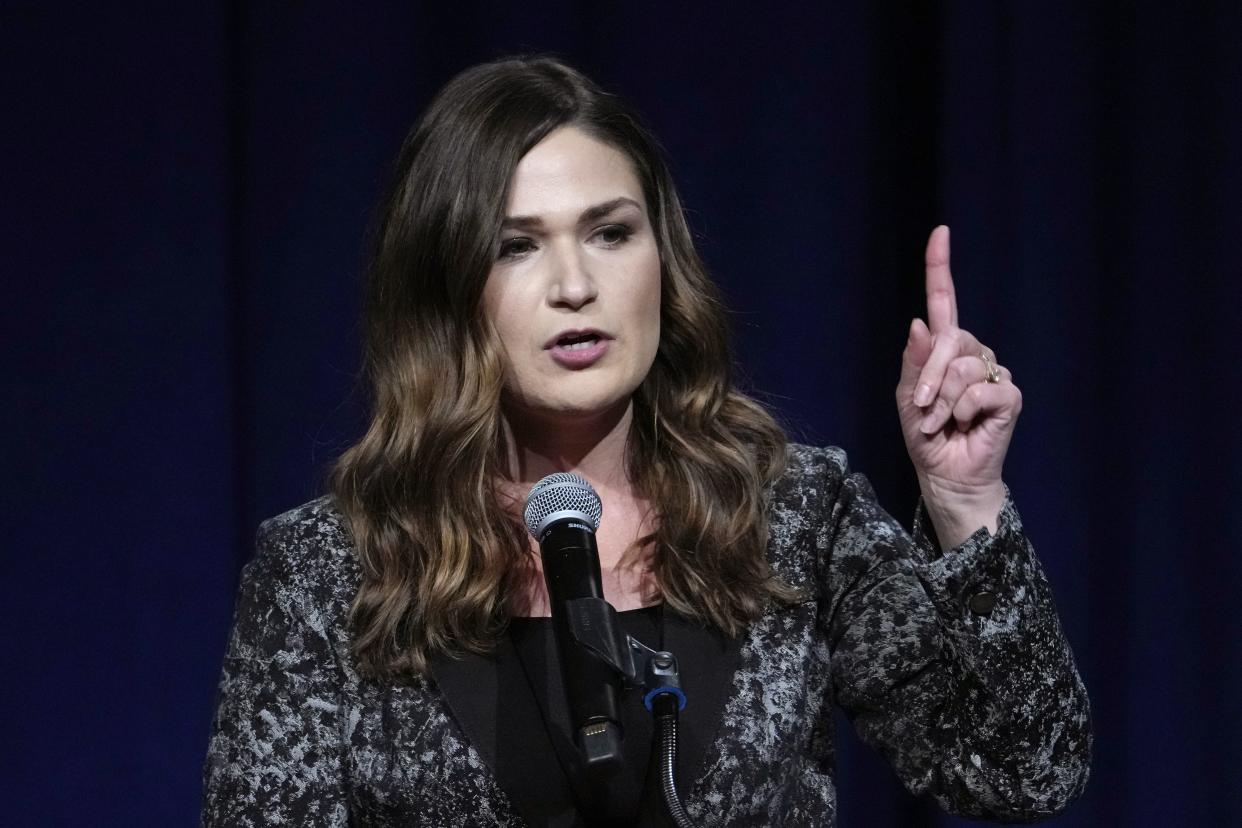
(583, 408)
(572, 406)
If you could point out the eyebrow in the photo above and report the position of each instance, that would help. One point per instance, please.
(588, 215)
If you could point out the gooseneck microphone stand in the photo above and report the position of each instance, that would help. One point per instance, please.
(665, 708)
(593, 623)
(562, 513)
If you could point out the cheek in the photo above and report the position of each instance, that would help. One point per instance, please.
(651, 302)
(510, 324)
(517, 369)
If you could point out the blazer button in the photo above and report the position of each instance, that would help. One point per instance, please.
(981, 603)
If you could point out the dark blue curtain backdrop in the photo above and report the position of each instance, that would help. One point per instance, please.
(186, 189)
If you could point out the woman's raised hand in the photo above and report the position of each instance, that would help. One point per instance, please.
(957, 405)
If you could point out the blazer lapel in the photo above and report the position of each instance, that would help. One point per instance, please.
(484, 697)
(481, 704)
(707, 660)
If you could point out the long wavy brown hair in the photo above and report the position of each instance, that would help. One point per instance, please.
(442, 557)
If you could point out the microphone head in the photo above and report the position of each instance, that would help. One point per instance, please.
(558, 496)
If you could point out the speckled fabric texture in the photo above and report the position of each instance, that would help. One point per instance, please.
(972, 698)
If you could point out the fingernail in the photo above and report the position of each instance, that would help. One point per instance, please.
(923, 396)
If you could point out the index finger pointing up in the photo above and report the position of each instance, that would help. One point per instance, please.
(941, 300)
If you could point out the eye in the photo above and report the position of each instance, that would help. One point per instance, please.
(512, 248)
(614, 235)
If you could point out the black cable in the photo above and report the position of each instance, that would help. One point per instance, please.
(664, 707)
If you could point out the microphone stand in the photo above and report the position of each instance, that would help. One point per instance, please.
(593, 623)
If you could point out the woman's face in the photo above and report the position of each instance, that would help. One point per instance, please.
(574, 292)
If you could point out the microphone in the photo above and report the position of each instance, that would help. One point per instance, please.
(562, 513)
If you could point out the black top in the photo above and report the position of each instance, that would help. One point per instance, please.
(979, 706)
(537, 670)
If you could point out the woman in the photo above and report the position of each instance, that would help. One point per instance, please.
(536, 305)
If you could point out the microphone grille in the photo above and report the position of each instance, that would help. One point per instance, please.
(561, 492)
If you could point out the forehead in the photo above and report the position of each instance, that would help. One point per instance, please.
(567, 171)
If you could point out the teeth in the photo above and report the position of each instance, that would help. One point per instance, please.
(577, 343)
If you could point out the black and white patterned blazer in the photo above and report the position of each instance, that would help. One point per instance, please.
(953, 665)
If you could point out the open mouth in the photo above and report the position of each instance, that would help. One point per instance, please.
(577, 342)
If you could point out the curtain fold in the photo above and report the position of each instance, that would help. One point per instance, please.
(187, 193)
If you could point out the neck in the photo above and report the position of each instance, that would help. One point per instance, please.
(592, 446)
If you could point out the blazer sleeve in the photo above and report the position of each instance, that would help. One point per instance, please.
(275, 755)
(953, 664)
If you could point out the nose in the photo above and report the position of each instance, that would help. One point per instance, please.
(572, 285)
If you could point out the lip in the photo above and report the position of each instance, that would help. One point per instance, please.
(551, 343)
(578, 358)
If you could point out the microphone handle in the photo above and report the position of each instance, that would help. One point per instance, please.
(571, 570)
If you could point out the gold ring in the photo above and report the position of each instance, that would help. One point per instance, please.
(993, 371)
